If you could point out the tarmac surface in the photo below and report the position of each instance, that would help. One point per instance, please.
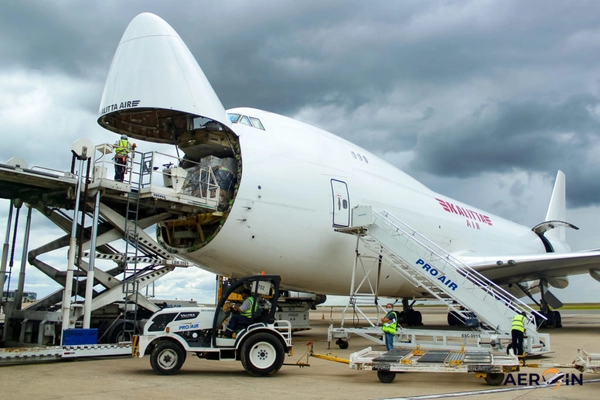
(128, 378)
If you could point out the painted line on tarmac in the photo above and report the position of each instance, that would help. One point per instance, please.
(480, 392)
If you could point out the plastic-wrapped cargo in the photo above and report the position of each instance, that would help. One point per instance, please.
(214, 162)
(199, 182)
(192, 183)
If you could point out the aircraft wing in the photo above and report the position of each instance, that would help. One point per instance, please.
(506, 270)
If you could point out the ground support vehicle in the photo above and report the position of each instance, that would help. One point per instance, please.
(170, 334)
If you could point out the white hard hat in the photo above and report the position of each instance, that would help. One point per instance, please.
(123, 136)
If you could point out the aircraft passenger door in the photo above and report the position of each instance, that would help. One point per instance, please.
(341, 203)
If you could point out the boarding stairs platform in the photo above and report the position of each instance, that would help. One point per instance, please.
(146, 181)
(163, 185)
(466, 292)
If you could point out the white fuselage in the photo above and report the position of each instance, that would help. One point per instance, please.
(282, 218)
(296, 180)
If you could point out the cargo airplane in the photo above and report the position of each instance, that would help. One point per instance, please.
(292, 183)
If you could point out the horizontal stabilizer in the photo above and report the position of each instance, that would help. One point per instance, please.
(542, 228)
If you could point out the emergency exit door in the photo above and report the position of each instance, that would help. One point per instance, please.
(341, 203)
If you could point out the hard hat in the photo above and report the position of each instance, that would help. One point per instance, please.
(123, 136)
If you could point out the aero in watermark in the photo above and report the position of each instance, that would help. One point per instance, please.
(551, 376)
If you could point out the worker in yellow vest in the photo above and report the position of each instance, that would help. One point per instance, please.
(244, 314)
(389, 326)
(122, 149)
(518, 331)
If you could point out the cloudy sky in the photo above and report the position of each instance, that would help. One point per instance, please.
(482, 101)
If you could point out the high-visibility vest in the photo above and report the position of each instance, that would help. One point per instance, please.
(518, 323)
(122, 148)
(390, 327)
(248, 312)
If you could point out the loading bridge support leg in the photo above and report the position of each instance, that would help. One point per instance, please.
(67, 322)
(89, 287)
(5, 254)
(18, 299)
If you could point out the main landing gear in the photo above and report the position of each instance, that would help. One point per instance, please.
(553, 317)
(408, 316)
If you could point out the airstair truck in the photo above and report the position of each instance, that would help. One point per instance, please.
(170, 334)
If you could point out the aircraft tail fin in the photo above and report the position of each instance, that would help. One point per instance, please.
(557, 207)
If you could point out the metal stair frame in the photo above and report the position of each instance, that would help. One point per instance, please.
(485, 291)
(416, 258)
(358, 298)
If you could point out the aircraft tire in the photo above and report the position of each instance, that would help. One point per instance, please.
(550, 319)
(453, 319)
(401, 316)
(417, 318)
(557, 319)
(539, 321)
(167, 358)
(410, 317)
(262, 354)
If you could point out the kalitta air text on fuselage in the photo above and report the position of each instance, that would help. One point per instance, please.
(119, 106)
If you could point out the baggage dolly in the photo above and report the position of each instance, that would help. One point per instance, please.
(492, 366)
(486, 364)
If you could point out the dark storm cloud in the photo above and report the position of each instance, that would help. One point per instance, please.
(281, 55)
(531, 136)
(65, 36)
(501, 136)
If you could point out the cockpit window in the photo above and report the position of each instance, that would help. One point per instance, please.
(250, 121)
(256, 123)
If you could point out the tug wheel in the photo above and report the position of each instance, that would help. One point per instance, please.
(262, 354)
(167, 358)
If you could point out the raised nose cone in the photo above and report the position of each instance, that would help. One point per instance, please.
(155, 89)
